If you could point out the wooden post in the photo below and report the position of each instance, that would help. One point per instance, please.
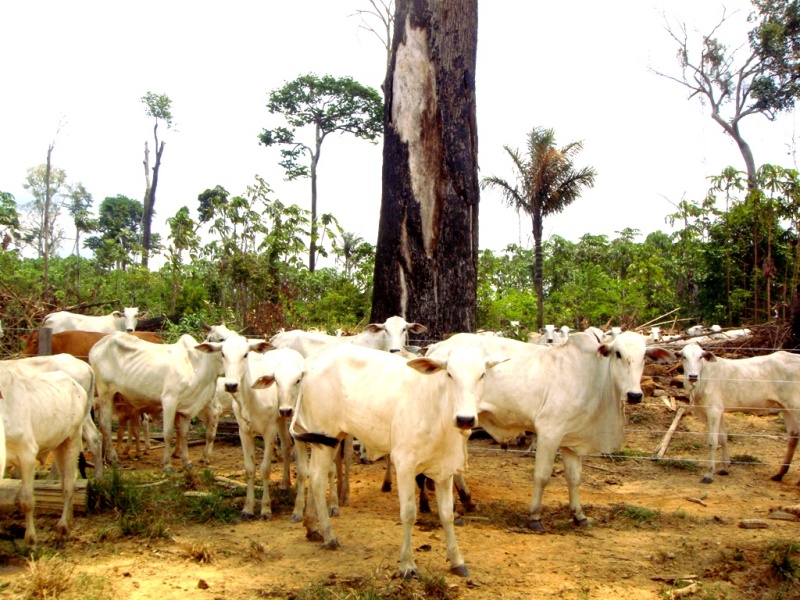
(47, 494)
(45, 341)
(662, 447)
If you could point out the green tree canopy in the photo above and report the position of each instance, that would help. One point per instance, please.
(327, 105)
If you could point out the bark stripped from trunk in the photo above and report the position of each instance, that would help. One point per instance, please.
(427, 251)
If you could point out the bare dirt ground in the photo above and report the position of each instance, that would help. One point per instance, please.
(646, 537)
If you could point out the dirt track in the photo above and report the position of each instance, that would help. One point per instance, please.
(628, 553)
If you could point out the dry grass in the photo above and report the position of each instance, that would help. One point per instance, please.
(47, 577)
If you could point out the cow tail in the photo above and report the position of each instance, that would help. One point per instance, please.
(316, 439)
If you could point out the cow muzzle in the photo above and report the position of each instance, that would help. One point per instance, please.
(393, 350)
(466, 422)
(692, 377)
(231, 387)
(286, 412)
(634, 397)
(129, 330)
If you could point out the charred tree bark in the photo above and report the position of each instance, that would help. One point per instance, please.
(427, 252)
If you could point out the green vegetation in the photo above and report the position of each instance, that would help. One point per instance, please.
(428, 586)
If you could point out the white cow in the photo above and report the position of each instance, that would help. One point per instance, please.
(43, 413)
(695, 331)
(116, 321)
(179, 379)
(80, 372)
(755, 385)
(571, 396)
(418, 411)
(391, 336)
(256, 408)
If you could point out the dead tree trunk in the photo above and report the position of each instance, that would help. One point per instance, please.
(427, 252)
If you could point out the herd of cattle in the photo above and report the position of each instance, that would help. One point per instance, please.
(318, 392)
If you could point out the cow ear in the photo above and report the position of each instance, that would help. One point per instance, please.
(709, 357)
(263, 382)
(657, 354)
(142, 315)
(426, 365)
(375, 327)
(117, 314)
(417, 328)
(678, 355)
(209, 347)
(260, 346)
(604, 350)
(493, 361)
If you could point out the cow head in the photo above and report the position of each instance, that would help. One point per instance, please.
(130, 317)
(692, 356)
(466, 368)
(234, 351)
(217, 333)
(626, 355)
(287, 375)
(549, 333)
(396, 331)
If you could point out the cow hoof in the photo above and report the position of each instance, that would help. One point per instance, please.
(344, 502)
(409, 574)
(778, 477)
(314, 536)
(332, 545)
(334, 511)
(460, 570)
(266, 516)
(706, 480)
(365, 461)
(457, 520)
(246, 516)
(296, 518)
(535, 525)
(470, 507)
(582, 523)
(386, 487)
(723, 472)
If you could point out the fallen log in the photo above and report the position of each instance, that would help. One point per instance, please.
(46, 493)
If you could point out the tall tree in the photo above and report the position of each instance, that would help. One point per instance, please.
(328, 105)
(119, 220)
(379, 21)
(159, 108)
(47, 185)
(78, 203)
(427, 253)
(9, 220)
(183, 233)
(547, 182)
(762, 79)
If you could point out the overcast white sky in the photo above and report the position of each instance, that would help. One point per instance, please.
(580, 67)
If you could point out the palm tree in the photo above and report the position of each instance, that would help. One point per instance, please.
(547, 182)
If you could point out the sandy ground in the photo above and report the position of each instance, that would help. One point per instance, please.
(622, 555)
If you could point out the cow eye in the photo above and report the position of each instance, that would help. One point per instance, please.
(619, 355)
(245, 354)
(222, 354)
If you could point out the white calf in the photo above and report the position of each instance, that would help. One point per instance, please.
(43, 413)
(755, 385)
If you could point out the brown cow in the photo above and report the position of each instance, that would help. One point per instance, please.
(78, 344)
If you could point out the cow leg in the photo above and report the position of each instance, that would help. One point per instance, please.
(266, 468)
(793, 430)
(408, 515)
(543, 468)
(27, 501)
(321, 459)
(713, 421)
(210, 416)
(94, 441)
(722, 440)
(387, 476)
(66, 457)
(182, 434)
(573, 465)
(133, 433)
(464, 494)
(444, 499)
(249, 452)
(301, 449)
(146, 426)
(169, 417)
(105, 408)
(286, 453)
(343, 462)
(333, 497)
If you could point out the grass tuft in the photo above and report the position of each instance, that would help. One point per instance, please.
(50, 577)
